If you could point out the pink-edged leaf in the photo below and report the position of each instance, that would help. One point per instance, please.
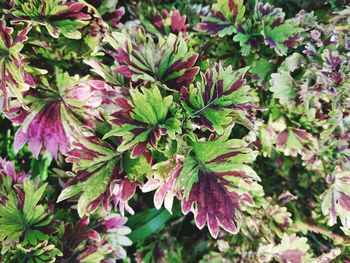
(92, 234)
(216, 182)
(100, 179)
(294, 141)
(164, 178)
(55, 114)
(291, 249)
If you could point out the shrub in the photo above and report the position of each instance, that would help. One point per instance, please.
(174, 131)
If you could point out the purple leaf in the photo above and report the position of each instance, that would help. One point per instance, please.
(52, 120)
(215, 183)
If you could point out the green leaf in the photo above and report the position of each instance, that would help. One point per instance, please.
(233, 10)
(155, 62)
(189, 174)
(262, 68)
(283, 87)
(147, 223)
(293, 62)
(215, 101)
(40, 167)
(152, 116)
(91, 188)
(210, 156)
(26, 221)
(136, 168)
(279, 34)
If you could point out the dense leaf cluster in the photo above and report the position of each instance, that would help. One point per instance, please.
(234, 114)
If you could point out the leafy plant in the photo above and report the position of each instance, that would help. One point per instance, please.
(119, 118)
(58, 17)
(266, 26)
(21, 215)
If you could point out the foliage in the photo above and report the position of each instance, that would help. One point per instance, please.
(236, 111)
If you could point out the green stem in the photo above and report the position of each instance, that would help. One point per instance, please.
(302, 226)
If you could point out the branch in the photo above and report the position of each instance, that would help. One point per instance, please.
(301, 226)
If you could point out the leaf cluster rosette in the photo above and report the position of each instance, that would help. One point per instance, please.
(144, 120)
(24, 219)
(57, 16)
(266, 26)
(168, 61)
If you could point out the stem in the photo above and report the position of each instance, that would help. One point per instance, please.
(324, 166)
(301, 226)
(161, 86)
